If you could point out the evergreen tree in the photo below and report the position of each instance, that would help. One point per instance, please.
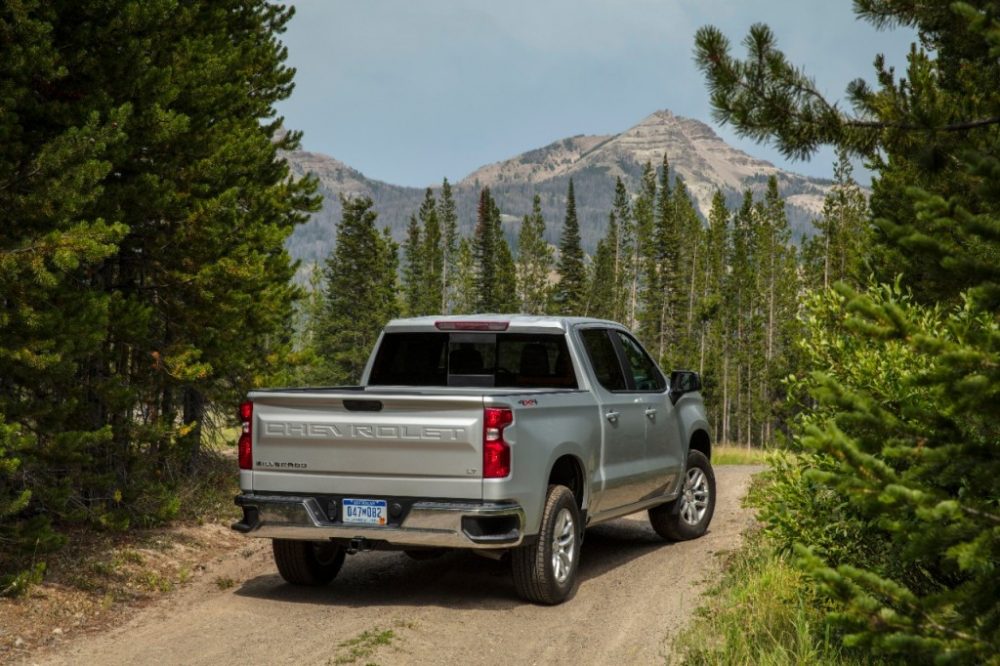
(309, 313)
(778, 287)
(837, 252)
(148, 206)
(466, 296)
(505, 292)
(414, 270)
(644, 302)
(570, 292)
(534, 262)
(682, 353)
(907, 449)
(667, 251)
(714, 345)
(623, 251)
(432, 287)
(353, 318)
(601, 291)
(449, 247)
(484, 252)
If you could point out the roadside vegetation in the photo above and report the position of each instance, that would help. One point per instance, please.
(730, 454)
(880, 525)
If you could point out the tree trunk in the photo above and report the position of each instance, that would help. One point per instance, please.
(194, 412)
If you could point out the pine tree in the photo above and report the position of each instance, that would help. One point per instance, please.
(432, 288)
(466, 296)
(623, 251)
(484, 252)
(414, 270)
(740, 292)
(309, 313)
(601, 291)
(667, 249)
(778, 280)
(713, 360)
(644, 303)
(689, 234)
(570, 292)
(837, 252)
(449, 246)
(908, 448)
(353, 318)
(505, 292)
(150, 206)
(534, 262)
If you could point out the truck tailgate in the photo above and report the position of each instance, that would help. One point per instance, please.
(370, 444)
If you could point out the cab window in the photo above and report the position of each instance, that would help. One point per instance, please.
(603, 358)
(645, 375)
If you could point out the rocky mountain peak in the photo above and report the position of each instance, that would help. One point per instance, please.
(694, 151)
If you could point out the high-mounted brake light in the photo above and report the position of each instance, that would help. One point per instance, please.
(496, 451)
(246, 436)
(471, 325)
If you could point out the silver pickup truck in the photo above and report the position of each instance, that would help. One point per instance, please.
(506, 435)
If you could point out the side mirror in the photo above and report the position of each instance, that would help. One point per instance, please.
(683, 381)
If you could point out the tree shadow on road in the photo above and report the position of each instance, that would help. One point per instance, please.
(457, 579)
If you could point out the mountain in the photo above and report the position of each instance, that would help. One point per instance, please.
(694, 151)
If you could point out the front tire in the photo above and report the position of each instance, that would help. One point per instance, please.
(545, 571)
(688, 516)
(311, 563)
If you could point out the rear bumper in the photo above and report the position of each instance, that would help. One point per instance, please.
(439, 524)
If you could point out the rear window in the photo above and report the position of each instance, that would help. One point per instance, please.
(502, 360)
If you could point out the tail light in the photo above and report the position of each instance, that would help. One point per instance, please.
(246, 436)
(496, 451)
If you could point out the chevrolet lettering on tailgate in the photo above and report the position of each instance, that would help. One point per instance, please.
(359, 431)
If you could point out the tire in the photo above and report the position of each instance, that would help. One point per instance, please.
(545, 571)
(688, 516)
(310, 563)
(424, 554)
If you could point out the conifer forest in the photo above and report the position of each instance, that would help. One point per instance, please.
(145, 287)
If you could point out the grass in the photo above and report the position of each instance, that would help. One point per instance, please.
(363, 645)
(729, 454)
(224, 582)
(761, 612)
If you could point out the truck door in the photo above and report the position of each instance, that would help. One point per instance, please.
(664, 450)
(623, 423)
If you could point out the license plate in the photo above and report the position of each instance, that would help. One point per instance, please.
(365, 511)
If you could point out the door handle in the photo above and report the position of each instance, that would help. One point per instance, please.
(612, 416)
(651, 413)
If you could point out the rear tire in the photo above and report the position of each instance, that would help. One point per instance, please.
(545, 571)
(688, 516)
(310, 563)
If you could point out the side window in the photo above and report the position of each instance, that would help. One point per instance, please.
(604, 359)
(646, 376)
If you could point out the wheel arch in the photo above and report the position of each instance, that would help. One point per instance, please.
(568, 470)
(700, 441)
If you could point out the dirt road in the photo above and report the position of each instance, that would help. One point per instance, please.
(635, 591)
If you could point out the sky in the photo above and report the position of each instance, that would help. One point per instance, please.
(411, 91)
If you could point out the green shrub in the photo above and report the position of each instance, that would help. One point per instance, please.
(894, 507)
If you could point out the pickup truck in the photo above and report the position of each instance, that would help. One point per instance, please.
(505, 435)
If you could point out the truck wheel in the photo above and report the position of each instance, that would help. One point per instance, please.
(688, 516)
(307, 562)
(545, 571)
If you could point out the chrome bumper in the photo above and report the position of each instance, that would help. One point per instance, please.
(441, 524)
